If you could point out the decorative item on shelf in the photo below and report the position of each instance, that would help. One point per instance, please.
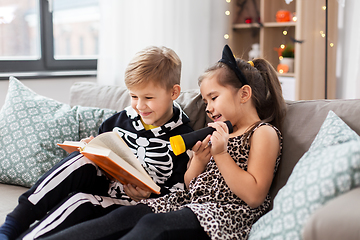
(286, 57)
(283, 16)
(248, 20)
(282, 68)
(255, 51)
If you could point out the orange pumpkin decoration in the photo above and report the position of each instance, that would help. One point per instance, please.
(282, 68)
(283, 16)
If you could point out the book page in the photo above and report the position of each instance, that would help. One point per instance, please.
(115, 143)
(119, 169)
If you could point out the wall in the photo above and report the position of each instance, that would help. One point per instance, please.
(55, 88)
(348, 51)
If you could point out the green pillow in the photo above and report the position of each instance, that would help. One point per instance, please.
(90, 119)
(30, 127)
(328, 169)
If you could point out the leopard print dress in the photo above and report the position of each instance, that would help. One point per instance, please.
(220, 212)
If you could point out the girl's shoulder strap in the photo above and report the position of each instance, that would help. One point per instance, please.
(268, 124)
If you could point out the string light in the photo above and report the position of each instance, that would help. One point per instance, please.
(282, 46)
(285, 32)
(322, 34)
(227, 13)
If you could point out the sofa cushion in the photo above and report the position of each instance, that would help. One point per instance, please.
(9, 199)
(329, 168)
(302, 122)
(30, 127)
(337, 219)
(90, 119)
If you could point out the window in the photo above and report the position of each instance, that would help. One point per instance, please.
(48, 35)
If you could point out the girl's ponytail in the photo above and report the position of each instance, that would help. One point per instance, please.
(270, 104)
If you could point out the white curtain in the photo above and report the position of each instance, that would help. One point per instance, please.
(194, 29)
(348, 51)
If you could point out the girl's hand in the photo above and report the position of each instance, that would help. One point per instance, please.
(136, 193)
(219, 138)
(202, 151)
(199, 160)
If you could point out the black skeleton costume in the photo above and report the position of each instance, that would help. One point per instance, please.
(76, 190)
(152, 147)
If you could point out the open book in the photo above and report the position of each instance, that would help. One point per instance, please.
(109, 151)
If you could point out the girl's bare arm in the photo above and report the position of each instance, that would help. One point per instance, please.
(252, 185)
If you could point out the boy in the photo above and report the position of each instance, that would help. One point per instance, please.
(76, 190)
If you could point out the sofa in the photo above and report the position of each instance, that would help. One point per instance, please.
(332, 213)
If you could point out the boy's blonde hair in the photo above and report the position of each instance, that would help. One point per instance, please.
(161, 65)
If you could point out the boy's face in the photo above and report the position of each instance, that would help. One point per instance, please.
(153, 103)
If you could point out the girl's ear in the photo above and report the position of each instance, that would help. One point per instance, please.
(245, 93)
(175, 91)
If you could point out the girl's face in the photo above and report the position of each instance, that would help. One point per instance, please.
(222, 102)
(153, 103)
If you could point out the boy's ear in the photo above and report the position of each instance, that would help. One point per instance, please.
(175, 91)
(245, 93)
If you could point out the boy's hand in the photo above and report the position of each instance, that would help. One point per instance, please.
(87, 140)
(219, 138)
(136, 193)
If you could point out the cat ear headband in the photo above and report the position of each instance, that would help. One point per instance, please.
(229, 59)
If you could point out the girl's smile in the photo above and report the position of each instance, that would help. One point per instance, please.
(220, 101)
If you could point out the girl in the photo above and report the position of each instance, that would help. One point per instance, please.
(229, 176)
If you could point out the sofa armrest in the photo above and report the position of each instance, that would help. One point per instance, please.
(9, 199)
(338, 219)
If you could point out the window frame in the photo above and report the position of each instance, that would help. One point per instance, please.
(47, 65)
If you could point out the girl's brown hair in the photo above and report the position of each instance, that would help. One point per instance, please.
(266, 89)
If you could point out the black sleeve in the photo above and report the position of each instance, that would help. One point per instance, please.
(113, 121)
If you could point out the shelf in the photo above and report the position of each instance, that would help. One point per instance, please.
(279, 24)
(286, 74)
(245, 25)
(267, 24)
(309, 62)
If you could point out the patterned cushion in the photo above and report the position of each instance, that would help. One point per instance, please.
(90, 119)
(329, 168)
(30, 127)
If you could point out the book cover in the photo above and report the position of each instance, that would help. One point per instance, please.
(110, 152)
